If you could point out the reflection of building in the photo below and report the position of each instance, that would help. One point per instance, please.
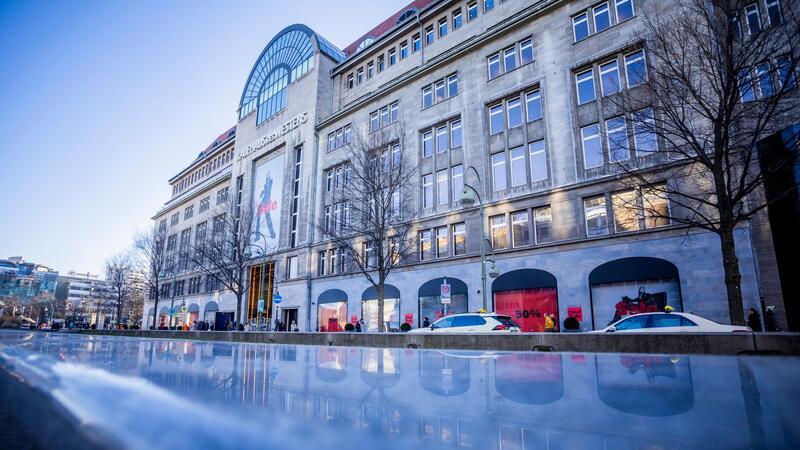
(87, 298)
(23, 283)
(490, 85)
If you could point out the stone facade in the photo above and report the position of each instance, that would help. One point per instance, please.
(324, 97)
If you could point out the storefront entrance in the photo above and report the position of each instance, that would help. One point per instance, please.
(289, 317)
(261, 286)
(332, 310)
(527, 295)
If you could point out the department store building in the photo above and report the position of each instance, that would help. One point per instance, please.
(513, 89)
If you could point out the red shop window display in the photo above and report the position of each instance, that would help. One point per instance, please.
(528, 307)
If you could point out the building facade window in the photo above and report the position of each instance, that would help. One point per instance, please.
(624, 9)
(609, 78)
(440, 90)
(617, 137)
(442, 187)
(457, 19)
(513, 57)
(499, 232)
(518, 171)
(188, 212)
(459, 239)
(592, 147)
(384, 116)
(496, 119)
(602, 17)
(457, 181)
(584, 82)
(205, 204)
(175, 219)
(499, 181)
(429, 35)
(533, 105)
(580, 27)
(472, 10)
(443, 138)
(340, 137)
(425, 245)
(403, 50)
(291, 268)
(427, 191)
(443, 27)
(635, 68)
(538, 159)
(442, 242)
(520, 229)
(753, 18)
(222, 196)
(543, 224)
(594, 211)
(625, 211)
(416, 43)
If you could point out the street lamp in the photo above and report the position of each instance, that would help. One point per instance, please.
(470, 196)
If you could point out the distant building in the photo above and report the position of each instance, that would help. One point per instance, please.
(86, 298)
(25, 283)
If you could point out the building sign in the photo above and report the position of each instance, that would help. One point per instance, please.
(267, 198)
(576, 312)
(273, 135)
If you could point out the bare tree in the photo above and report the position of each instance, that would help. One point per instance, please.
(226, 255)
(120, 281)
(152, 260)
(716, 83)
(371, 210)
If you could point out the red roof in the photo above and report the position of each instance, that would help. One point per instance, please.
(386, 25)
(221, 138)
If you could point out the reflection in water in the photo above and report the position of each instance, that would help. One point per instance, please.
(648, 385)
(530, 378)
(442, 374)
(431, 399)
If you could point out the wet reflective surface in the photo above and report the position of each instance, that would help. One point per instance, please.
(171, 393)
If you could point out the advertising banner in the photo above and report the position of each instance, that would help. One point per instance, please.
(528, 307)
(268, 198)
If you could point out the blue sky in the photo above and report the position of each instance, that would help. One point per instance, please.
(102, 101)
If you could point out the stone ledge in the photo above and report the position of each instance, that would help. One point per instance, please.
(700, 343)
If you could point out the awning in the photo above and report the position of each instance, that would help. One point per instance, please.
(193, 308)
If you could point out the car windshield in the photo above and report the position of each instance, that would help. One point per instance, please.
(632, 323)
(505, 320)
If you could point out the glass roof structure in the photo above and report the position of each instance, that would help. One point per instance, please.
(288, 56)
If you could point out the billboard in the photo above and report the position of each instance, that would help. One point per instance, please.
(268, 199)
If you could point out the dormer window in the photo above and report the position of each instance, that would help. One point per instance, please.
(406, 15)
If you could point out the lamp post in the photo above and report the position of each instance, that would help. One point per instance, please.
(469, 196)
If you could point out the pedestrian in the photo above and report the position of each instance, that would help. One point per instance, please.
(770, 321)
(294, 326)
(240, 327)
(754, 320)
(277, 324)
(358, 326)
(549, 323)
(426, 323)
(247, 327)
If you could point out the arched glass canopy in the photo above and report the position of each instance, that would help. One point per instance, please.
(286, 58)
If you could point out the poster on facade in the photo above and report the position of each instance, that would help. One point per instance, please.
(528, 307)
(268, 199)
(614, 301)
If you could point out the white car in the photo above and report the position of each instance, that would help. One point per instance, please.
(471, 323)
(672, 322)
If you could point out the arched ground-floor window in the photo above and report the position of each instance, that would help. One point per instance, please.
(527, 295)
(430, 299)
(391, 308)
(633, 285)
(332, 310)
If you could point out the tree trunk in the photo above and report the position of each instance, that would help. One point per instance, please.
(155, 312)
(733, 279)
(119, 307)
(238, 319)
(381, 322)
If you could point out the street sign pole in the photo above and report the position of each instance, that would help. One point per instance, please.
(444, 292)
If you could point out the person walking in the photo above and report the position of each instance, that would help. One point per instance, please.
(770, 321)
(426, 323)
(754, 320)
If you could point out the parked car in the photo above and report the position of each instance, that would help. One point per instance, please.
(671, 322)
(471, 323)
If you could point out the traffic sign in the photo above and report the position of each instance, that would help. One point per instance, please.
(171, 311)
(445, 293)
(183, 309)
(277, 298)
